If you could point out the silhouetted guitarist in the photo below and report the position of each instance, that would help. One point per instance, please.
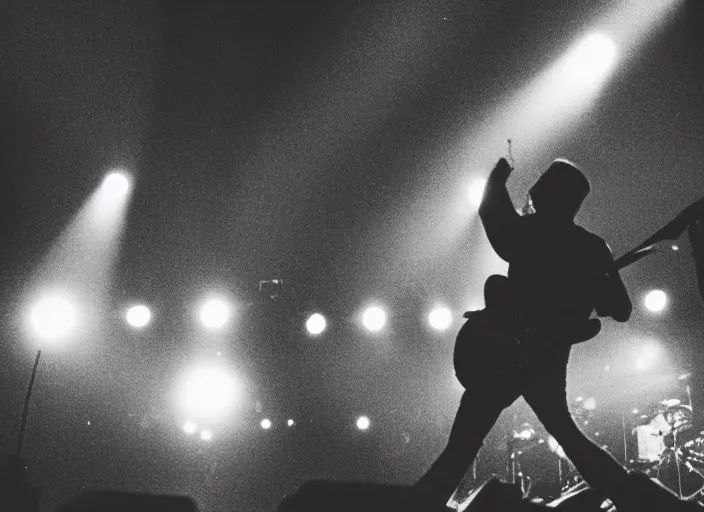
(559, 273)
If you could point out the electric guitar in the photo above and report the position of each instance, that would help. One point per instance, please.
(490, 340)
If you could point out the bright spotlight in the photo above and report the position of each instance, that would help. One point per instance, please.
(591, 59)
(290, 423)
(374, 319)
(190, 427)
(266, 423)
(647, 357)
(52, 318)
(316, 323)
(116, 184)
(655, 301)
(476, 192)
(206, 435)
(214, 314)
(208, 393)
(138, 316)
(362, 423)
(440, 319)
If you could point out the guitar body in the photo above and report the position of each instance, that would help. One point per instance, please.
(484, 350)
(491, 345)
(486, 346)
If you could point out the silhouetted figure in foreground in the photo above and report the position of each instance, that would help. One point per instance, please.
(559, 273)
(17, 493)
(696, 239)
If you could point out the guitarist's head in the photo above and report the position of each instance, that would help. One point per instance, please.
(497, 292)
(560, 191)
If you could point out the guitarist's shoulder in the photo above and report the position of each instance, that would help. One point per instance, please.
(594, 244)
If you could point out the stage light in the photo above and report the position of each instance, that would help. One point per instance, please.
(647, 357)
(374, 319)
(290, 423)
(214, 314)
(362, 423)
(52, 318)
(316, 323)
(266, 423)
(655, 301)
(440, 319)
(524, 435)
(138, 316)
(556, 448)
(589, 404)
(208, 392)
(476, 192)
(116, 185)
(591, 59)
(206, 435)
(190, 427)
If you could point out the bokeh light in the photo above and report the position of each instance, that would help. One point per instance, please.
(116, 184)
(52, 318)
(208, 392)
(316, 324)
(266, 424)
(206, 435)
(655, 301)
(190, 427)
(647, 357)
(215, 313)
(290, 423)
(374, 319)
(363, 423)
(138, 316)
(589, 404)
(440, 319)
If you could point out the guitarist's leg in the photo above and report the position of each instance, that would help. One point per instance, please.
(478, 411)
(544, 389)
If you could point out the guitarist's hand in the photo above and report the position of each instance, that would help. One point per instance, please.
(502, 169)
(587, 331)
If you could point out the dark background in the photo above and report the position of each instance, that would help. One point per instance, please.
(315, 142)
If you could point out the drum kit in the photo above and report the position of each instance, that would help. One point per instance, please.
(670, 449)
(662, 440)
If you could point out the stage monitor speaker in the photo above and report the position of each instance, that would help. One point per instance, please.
(116, 501)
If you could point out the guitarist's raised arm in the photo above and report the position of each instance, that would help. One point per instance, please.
(497, 212)
(612, 296)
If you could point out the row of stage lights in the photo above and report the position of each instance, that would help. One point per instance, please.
(191, 428)
(53, 317)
